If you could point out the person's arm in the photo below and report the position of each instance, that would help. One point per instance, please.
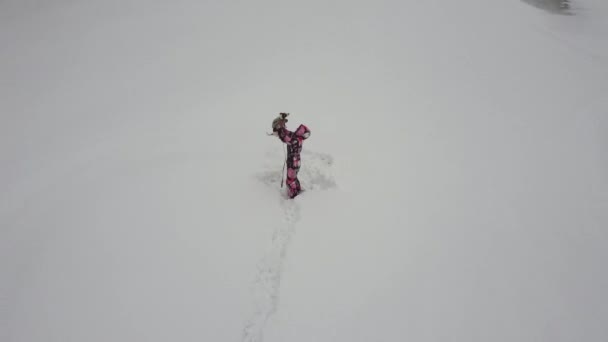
(285, 135)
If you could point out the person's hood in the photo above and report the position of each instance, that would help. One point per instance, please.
(303, 132)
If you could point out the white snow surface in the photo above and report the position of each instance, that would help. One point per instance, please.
(456, 176)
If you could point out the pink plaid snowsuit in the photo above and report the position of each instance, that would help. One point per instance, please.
(294, 142)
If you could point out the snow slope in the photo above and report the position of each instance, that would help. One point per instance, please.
(457, 172)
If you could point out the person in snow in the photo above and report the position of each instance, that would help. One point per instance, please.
(294, 142)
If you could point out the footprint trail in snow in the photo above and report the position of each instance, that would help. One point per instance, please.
(268, 278)
(315, 174)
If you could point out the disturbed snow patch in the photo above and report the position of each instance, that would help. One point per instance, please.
(315, 172)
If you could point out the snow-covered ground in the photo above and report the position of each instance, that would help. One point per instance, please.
(456, 175)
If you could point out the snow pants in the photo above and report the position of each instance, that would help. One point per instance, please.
(293, 183)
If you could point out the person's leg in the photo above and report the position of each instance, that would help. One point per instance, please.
(292, 182)
(298, 188)
(297, 170)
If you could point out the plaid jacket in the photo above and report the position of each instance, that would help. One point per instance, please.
(294, 142)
